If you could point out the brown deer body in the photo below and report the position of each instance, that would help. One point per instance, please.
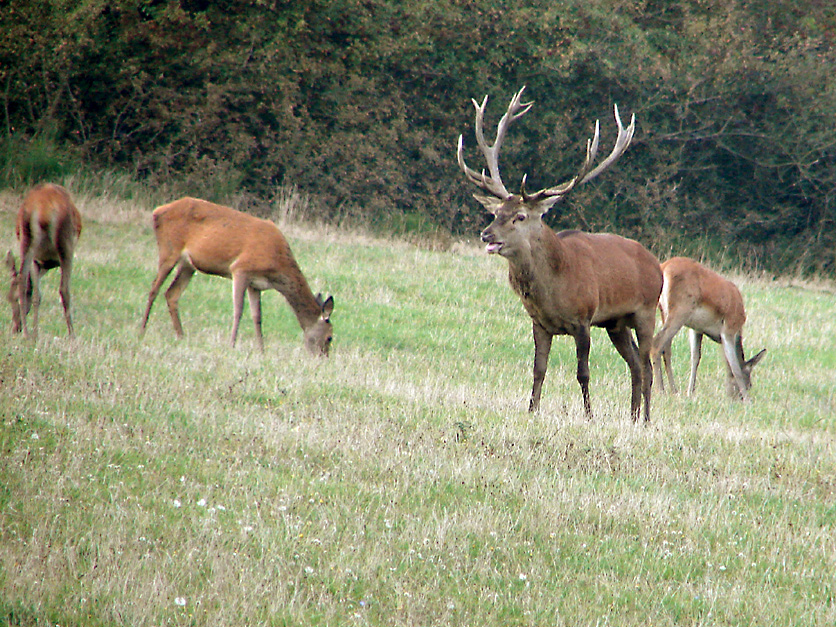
(708, 304)
(571, 281)
(196, 235)
(48, 227)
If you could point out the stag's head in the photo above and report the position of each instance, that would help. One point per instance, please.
(517, 220)
(318, 336)
(13, 295)
(518, 217)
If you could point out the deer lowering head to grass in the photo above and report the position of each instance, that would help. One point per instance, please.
(570, 281)
(196, 235)
(48, 227)
(700, 299)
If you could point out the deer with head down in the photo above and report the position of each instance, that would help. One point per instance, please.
(48, 227)
(570, 281)
(708, 304)
(196, 235)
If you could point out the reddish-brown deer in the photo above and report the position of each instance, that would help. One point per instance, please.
(196, 235)
(48, 227)
(708, 304)
(570, 281)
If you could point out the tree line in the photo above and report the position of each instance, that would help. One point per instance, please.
(359, 103)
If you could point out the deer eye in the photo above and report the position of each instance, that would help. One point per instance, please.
(520, 217)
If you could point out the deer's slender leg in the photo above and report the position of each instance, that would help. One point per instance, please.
(175, 290)
(255, 309)
(542, 347)
(165, 268)
(622, 339)
(695, 340)
(582, 345)
(239, 287)
(731, 346)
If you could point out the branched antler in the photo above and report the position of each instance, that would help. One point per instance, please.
(516, 109)
(494, 185)
(586, 172)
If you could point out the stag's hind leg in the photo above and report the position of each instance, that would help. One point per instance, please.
(644, 337)
(622, 339)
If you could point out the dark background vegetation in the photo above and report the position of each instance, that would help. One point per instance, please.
(359, 104)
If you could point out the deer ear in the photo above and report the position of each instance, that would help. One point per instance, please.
(327, 308)
(754, 361)
(491, 203)
(541, 207)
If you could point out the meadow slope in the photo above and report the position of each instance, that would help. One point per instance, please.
(401, 482)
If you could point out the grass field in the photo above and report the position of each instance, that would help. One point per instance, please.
(401, 482)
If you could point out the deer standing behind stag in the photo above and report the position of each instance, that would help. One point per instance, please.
(570, 281)
(708, 304)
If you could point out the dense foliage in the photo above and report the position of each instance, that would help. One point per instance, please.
(359, 104)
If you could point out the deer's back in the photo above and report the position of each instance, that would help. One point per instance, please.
(48, 208)
(624, 276)
(218, 239)
(715, 301)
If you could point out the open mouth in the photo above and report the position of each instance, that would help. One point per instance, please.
(493, 248)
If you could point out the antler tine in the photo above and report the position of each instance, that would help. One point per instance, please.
(625, 136)
(494, 185)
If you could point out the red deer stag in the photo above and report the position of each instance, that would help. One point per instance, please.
(198, 235)
(570, 281)
(48, 227)
(700, 299)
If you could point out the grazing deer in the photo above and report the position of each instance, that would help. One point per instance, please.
(198, 235)
(700, 299)
(48, 227)
(570, 281)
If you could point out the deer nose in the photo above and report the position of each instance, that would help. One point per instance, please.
(487, 236)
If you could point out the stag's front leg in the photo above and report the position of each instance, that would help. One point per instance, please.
(582, 344)
(542, 348)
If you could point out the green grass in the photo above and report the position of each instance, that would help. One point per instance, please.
(401, 482)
